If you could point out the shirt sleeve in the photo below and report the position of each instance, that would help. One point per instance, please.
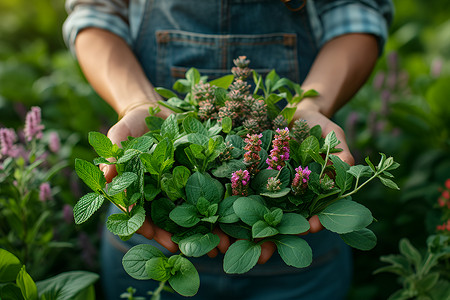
(341, 17)
(111, 15)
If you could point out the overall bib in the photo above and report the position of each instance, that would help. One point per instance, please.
(175, 35)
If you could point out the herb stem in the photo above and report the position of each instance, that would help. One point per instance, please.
(325, 163)
(102, 192)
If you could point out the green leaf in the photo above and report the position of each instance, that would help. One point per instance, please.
(180, 176)
(192, 125)
(163, 153)
(160, 210)
(169, 186)
(67, 285)
(316, 131)
(202, 206)
(193, 76)
(261, 230)
(227, 168)
(26, 285)
(278, 194)
(10, 266)
(266, 139)
(135, 259)
(121, 182)
(101, 144)
(87, 206)
(241, 256)
(288, 113)
(360, 171)
(237, 230)
(223, 82)
(227, 124)
(345, 216)
(310, 93)
(226, 211)
(185, 215)
(292, 223)
(10, 291)
(294, 251)
(310, 144)
(169, 127)
(202, 185)
(186, 280)
(157, 268)
(154, 123)
(151, 191)
(166, 93)
(249, 210)
(363, 239)
(198, 244)
(331, 140)
(427, 282)
(122, 225)
(410, 252)
(90, 174)
(259, 183)
(274, 217)
(343, 179)
(128, 155)
(389, 183)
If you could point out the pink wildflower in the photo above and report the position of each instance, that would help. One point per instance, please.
(45, 192)
(54, 142)
(280, 150)
(33, 126)
(239, 182)
(68, 213)
(251, 157)
(7, 139)
(300, 181)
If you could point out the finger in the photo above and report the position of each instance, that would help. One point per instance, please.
(315, 225)
(109, 171)
(213, 253)
(146, 230)
(267, 250)
(164, 238)
(224, 242)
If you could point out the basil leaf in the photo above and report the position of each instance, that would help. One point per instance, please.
(241, 257)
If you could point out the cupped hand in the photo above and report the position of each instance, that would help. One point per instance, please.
(133, 124)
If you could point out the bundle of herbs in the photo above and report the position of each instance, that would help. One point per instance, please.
(195, 171)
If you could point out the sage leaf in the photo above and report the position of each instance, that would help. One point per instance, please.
(363, 239)
(345, 216)
(241, 257)
(198, 244)
(294, 251)
(86, 207)
(135, 259)
(90, 174)
(122, 225)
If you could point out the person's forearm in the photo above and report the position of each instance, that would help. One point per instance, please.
(340, 69)
(112, 69)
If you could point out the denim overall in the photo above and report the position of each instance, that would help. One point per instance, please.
(208, 34)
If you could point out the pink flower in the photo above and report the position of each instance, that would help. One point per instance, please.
(68, 213)
(33, 126)
(280, 150)
(45, 192)
(7, 139)
(54, 142)
(300, 181)
(251, 157)
(239, 182)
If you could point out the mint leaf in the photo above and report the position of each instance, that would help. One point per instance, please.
(198, 244)
(226, 211)
(241, 257)
(87, 206)
(121, 182)
(135, 259)
(101, 144)
(261, 230)
(192, 125)
(122, 225)
(185, 215)
(345, 216)
(294, 251)
(249, 210)
(310, 144)
(292, 223)
(363, 239)
(343, 179)
(26, 285)
(169, 186)
(157, 268)
(202, 185)
(186, 280)
(9, 266)
(180, 176)
(169, 127)
(90, 174)
(128, 154)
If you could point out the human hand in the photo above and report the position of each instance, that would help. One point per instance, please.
(133, 124)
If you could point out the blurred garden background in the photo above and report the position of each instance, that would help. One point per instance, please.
(402, 111)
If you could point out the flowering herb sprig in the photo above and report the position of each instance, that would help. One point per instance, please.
(251, 157)
(280, 150)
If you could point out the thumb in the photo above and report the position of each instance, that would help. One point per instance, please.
(109, 171)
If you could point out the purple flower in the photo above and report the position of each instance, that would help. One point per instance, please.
(45, 192)
(251, 157)
(239, 182)
(33, 126)
(300, 181)
(7, 139)
(280, 150)
(54, 142)
(68, 213)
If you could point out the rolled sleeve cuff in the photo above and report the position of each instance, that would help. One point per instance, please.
(86, 16)
(354, 18)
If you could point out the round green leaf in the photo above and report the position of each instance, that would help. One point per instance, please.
(345, 216)
(156, 268)
(185, 215)
(241, 257)
(363, 239)
(198, 244)
(186, 280)
(294, 251)
(249, 210)
(292, 223)
(261, 230)
(135, 259)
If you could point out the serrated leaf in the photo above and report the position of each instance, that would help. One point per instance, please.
(309, 144)
(101, 144)
(122, 225)
(192, 125)
(363, 239)
(331, 140)
(241, 256)
(121, 182)
(90, 174)
(135, 259)
(169, 127)
(87, 206)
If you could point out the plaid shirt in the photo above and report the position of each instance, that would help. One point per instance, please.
(329, 19)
